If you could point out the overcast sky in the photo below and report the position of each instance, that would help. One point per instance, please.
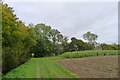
(73, 19)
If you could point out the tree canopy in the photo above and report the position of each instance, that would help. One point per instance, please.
(16, 39)
(90, 37)
(49, 41)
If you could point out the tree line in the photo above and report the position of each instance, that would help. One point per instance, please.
(21, 42)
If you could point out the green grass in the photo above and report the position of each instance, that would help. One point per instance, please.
(40, 68)
(80, 54)
(48, 68)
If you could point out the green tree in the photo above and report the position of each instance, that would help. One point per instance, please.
(76, 44)
(105, 46)
(90, 37)
(17, 39)
(49, 41)
(88, 46)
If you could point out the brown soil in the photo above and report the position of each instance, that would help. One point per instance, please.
(92, 67)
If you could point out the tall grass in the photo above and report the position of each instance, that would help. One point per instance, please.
(80, 54)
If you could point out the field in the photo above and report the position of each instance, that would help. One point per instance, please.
(40, 68)
(80, 54)
(92, 67)
(70, 65)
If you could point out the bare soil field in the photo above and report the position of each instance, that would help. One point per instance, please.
(92, 67)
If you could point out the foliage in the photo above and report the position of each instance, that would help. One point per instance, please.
(80, 54)
(109, 46)
(79, 45)
(17, 39)
(49, 41)
(76, 45)
(88, 46)
(90, 37)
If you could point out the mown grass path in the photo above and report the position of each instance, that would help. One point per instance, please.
(40, 68)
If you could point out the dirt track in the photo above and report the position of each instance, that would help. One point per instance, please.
(92, 67)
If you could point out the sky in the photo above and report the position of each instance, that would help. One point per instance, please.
(73, 19)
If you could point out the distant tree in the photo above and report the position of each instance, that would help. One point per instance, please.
(105, 46)
(49, 41)
(88, 46)
(65, 45)
(90, 37)
(76, 44)
(80, 45)
(73, 44)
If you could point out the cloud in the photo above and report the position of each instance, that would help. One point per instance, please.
(73, 19)
(61, 0)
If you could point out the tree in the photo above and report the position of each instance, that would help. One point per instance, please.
(105, 46)
(76, 44)
(88, 46)
(17, 39)
(49, 41)
(90, 37)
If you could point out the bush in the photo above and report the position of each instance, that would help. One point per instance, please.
(9, 62)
